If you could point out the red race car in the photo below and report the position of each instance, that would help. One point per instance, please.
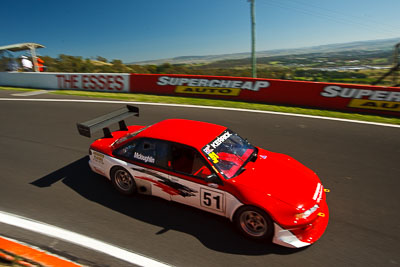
(267, 195)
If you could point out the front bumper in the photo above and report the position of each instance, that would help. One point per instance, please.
(305, 235)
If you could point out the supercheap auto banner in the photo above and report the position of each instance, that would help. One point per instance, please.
(346, 97)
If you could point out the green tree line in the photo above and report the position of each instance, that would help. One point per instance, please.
(76, 64)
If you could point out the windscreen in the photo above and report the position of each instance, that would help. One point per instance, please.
(229, 153)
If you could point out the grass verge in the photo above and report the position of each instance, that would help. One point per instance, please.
(221, 103)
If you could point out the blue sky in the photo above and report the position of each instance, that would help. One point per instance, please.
(133, 30)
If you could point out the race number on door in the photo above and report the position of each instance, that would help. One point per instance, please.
(212, 199)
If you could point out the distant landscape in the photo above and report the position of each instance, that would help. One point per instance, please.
(357, 62)
(374, 45)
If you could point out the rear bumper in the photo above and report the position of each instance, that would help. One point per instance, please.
(305, 235)
(96, 168)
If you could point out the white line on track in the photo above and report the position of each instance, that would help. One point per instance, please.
(78, 239)
(201, 107)
(40, 92)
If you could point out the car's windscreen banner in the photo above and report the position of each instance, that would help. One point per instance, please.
(334, 96)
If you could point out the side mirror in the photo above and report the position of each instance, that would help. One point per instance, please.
(212, 178)
(253, 157)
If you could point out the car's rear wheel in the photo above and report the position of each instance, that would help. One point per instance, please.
(123, 181)
(254, 223)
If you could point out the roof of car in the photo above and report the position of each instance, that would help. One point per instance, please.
(193, 133)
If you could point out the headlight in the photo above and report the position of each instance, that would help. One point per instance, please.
(307, 213)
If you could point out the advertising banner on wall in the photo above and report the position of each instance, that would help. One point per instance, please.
(104, 82)
(345, 97)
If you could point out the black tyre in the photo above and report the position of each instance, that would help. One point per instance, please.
(254, 223)
(123, 181)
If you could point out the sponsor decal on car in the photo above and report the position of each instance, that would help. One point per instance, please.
(144, 158)
(209, 148)
(98, 157)
(167, 185)
(365, 98)
(98, 170)
(214, 157)
(220, 139)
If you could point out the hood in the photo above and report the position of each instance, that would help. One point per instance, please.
(281, 177)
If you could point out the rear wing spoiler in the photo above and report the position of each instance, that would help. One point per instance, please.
(89, 127)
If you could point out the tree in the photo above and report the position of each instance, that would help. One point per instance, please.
(102, 59)
(118, 66)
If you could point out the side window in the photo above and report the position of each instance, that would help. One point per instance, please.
(162, 151)
(149, 151)
(188, 161)
(200, 169)
(127, 150)
(152, 151)
(145, 151)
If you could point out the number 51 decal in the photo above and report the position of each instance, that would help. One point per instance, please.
(212, 199)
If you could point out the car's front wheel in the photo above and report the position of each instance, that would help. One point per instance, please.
(123, 181)
(254, 223)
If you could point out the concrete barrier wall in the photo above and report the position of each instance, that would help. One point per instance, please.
(104, 82)
(334, 96)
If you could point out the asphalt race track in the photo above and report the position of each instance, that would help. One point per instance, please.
(44, 176)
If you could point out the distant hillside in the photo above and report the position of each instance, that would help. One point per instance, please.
(374, 45)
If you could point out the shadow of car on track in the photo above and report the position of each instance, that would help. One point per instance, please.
(214, 231)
